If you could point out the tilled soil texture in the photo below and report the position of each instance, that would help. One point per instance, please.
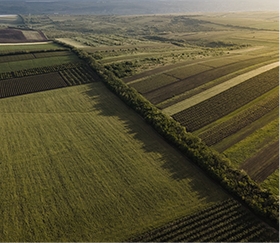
(17, 36)
(264, 163)
(168, 91)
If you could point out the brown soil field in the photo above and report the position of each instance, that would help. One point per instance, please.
(228, 101)
(263, 164)
(176, 88)
(21, 36)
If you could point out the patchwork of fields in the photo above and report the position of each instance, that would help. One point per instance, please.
(77, 164)
(217, 109)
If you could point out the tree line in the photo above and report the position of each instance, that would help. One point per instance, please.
(237, 182)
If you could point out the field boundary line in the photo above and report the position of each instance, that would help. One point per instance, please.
(185, 104)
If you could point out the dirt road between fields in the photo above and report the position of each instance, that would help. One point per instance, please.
(185, 104)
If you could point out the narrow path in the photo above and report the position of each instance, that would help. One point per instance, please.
(171, 110)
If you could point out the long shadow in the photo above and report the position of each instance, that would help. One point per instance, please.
(178, 166)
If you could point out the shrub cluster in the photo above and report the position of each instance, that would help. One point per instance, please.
(237, 182)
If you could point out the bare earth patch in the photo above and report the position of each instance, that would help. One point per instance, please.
(171, 110)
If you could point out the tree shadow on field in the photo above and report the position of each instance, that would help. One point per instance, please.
(178, 166)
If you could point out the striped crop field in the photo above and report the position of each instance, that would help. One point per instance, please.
(36, 63)
(46, 78)
(228, 101)
(183, 85)
(31, 84)
(223, 101)
(76, 164)
(224, 221)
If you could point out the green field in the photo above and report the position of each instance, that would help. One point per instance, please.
(78, 165)
(28, 47)
(36, 63)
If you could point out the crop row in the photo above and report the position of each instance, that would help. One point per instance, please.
(179, 87)
(37, 71)
(25, 85)
(78, 75)
(216, 133)
(222, 104)
(152, 83)
(223, 221)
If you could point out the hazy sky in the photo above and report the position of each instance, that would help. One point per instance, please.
(139, 6)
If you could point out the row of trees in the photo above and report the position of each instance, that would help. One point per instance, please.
(237, 182)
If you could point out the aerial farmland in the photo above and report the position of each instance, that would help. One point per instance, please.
(108, 123)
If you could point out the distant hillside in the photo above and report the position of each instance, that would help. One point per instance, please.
(130, 7)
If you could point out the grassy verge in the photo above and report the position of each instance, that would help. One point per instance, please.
(36, 47)
(272, 183)
(76, 164)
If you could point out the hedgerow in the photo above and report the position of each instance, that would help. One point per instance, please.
(237, 182)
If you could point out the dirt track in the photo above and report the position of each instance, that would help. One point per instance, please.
(185, 104)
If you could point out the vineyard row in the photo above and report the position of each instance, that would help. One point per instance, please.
(176, 88)
(38, 71)
(29, 56)
(221, 222)
(222, 104)
(216, 133)
(30, 84)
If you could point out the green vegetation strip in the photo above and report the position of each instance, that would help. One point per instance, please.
(263, 203)
(272, 183)
(249, 146)
(222, 104)
(153, 83)
(76, 164)
(29, 47)
(38, 70)
(36, 63)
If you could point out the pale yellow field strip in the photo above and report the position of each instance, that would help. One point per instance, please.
(26, 43)
(171, 110)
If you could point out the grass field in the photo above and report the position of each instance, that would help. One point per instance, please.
(36, 63)
(78, 165)
(28, 47)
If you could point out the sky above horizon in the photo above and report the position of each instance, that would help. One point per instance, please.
(136, 6)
